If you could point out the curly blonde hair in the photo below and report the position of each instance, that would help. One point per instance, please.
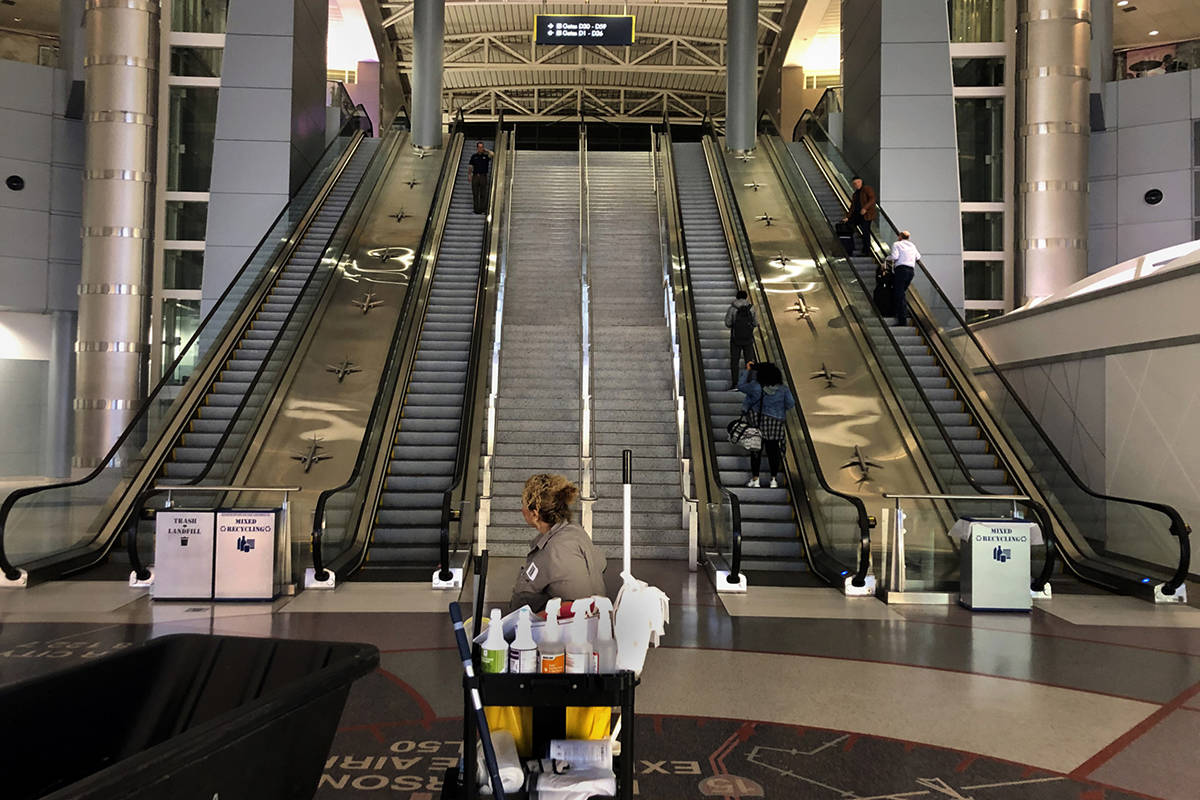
(550, 497)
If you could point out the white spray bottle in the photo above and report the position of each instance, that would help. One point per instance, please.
(552, 657)
(523, 652)
(494, 653)
(579, 650)
(604, 649)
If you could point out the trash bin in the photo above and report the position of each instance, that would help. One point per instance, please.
(189, 717)
(994, 563)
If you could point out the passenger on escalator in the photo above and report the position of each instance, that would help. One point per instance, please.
(862, 212)
(478, 169)
(562, 560)
(903, 259)
(741, 318)
(768, 400)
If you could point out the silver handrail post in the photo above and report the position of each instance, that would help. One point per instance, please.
(586, 461)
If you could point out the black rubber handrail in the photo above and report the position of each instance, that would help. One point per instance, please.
(1178, 527)
(382, 395)
(10, 571)
(864, 520)
(474, 353)
(1038, 510)
(131, 532)
(708, 443)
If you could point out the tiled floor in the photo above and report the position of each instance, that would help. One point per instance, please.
(782, 693)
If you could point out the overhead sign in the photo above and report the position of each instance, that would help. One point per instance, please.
(583, 29)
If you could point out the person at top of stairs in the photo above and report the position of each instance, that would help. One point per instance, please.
(562, 560)
(769, 401)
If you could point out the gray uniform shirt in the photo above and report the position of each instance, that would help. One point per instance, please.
(562, 562)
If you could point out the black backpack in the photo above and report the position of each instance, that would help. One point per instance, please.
(743, 326)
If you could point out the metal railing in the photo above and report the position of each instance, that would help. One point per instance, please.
(587, 462)
(228, 313)
(1016, 431)
(807, 480)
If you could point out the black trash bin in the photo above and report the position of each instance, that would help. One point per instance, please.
(181, 717)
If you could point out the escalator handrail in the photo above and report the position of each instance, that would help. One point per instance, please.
(1037, 508)
(1179, 527)
(707, 442)
(474, 354)
(383, 397)
(131, 535)
(10, 571)
(859, 577)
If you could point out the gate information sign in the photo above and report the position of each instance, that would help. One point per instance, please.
(581, 29)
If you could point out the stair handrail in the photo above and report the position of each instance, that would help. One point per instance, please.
(1178, 527)
(682, 283)
(390, 373)
(479, 332)
(745, 254)
(1034, 506)
(131, 545)
(587, 468)
(10, 571)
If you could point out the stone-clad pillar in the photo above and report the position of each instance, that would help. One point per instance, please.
(121, 73)
(1052, 118)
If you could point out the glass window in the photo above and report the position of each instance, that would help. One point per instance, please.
(976, 20)
(193, 121)
(196, 62)
(183, 269)
(978, 71)
(983, 230)
(186, 220)
(199, 16)
(1196, 145)
(980, 123)
(180, 319)
(983, 280)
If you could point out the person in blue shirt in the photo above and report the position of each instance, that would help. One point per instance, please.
(767, 400)
(478, 172)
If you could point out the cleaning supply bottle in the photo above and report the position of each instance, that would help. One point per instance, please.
(523, 652)
(604, 649)
(552, 656)
(494, 653)
(579, 649)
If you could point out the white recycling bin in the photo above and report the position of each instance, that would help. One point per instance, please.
(994, 564)
(246, 555)
(183, 555)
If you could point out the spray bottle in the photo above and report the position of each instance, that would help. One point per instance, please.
(494, 653)
(604, 649)
(579, 650)
(552, 657)
(523, 653)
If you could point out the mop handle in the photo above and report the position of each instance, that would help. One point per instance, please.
(627, 480)
(485, 735)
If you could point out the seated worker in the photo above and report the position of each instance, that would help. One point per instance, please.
(562, 561)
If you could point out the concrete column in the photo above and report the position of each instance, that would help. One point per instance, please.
(1053, 78)
(57, 458)
(121, 71)
(429, 22)
(741, 74)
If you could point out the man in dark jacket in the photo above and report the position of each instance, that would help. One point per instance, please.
(741, 318)
(862, 211)
(478, 169)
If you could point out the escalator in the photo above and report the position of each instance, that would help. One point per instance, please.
(768, 521)
(195, 425)
(1127, 545)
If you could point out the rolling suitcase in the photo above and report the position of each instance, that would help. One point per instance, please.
(882, 294)
(845, 235)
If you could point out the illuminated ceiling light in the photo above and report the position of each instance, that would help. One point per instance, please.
(1122, 3)
(1154, 33)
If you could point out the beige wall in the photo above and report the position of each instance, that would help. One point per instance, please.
(795, 99)
(22, 47)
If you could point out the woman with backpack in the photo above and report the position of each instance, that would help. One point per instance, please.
(767, 401)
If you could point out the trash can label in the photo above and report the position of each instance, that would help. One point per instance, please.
(245, 564)
(995, 566)
(183, 555)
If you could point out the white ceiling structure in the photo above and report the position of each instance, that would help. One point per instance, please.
(677, 62)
